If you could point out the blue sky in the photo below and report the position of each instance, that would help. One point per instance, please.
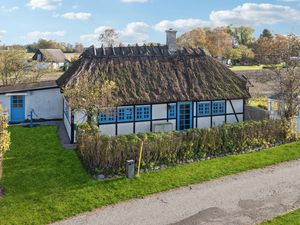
(137, 21)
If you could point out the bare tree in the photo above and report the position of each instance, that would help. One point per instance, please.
(109, 37)
(91, 95)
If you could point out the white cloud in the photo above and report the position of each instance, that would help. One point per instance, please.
(255, 14)
(180, 24)
(134, 1)
(9, 9)
(135, 32)
(77, 16)
(45, 4)
(2, 33)
(35, 35)
(247, 14)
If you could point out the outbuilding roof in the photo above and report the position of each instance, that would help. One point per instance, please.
(146, 74)
(23, 87)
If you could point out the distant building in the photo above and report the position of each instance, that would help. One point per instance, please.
(50, 59)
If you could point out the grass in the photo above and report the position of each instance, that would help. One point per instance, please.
(255, 67)
(242, 68)
(44, 183)
(261, 102)
(292, 218)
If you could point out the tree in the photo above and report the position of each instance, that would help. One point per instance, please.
(216, 41)
(287, 48)
(109, 37)
(4, 137)
(78, 48)
(240, 54)
(242, 35)
(91, 95)
(13, 66)
(266, 34)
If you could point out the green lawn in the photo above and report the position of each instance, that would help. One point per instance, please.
(241, 68)
(44, 183)
(292, 218)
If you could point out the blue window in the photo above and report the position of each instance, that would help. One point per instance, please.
(203, 108)
(108, 116)
(172, 111)
(218, 108)
(66, 110)
(125, 114)
(142, 113)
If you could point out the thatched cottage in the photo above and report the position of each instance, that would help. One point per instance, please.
(162, 88)
(50, 58)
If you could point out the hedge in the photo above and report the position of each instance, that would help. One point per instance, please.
(4, 137)
(107, 155)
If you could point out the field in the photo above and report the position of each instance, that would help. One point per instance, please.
(44, 183)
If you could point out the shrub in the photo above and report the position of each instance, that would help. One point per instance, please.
(4, 137)
(107, 155)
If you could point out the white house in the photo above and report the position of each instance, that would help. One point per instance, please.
(50, 59)
(162, 88)
(44, 99)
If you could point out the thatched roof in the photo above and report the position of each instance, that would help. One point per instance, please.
(152, 74)
(51, 55)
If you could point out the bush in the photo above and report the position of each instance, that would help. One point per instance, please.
(107, 155)
(4, 137)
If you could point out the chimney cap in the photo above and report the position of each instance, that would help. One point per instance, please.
(171, 30)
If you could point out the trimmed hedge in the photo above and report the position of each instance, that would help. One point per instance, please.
(107, 155)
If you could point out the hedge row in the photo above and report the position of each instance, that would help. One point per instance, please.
(4, 137)
(107, 155)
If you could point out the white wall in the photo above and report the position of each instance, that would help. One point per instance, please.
(47, 103)
(108, 129)
(159, 111)
(142, 127)
(218, 120)
(203, 122)
(125, 128)
(237, 104)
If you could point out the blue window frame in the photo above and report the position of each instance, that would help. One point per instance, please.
(218, 108)
(107, 117)
(203, 108)
(125, 114)
(66, 110)
(142, 113)
(172, 111)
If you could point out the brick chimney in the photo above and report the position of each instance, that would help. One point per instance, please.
(171, 40)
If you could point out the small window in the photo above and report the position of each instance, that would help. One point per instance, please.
(203, 108)
(142, 113)
(107, 117)
(17, 101)
(218, 108)
(125, 114)
(172, 111)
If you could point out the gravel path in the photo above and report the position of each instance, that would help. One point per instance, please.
(246, 198)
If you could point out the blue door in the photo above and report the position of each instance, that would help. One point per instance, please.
(184, 116)
(17, 109)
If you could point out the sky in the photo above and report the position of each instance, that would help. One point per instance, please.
(137, 21)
